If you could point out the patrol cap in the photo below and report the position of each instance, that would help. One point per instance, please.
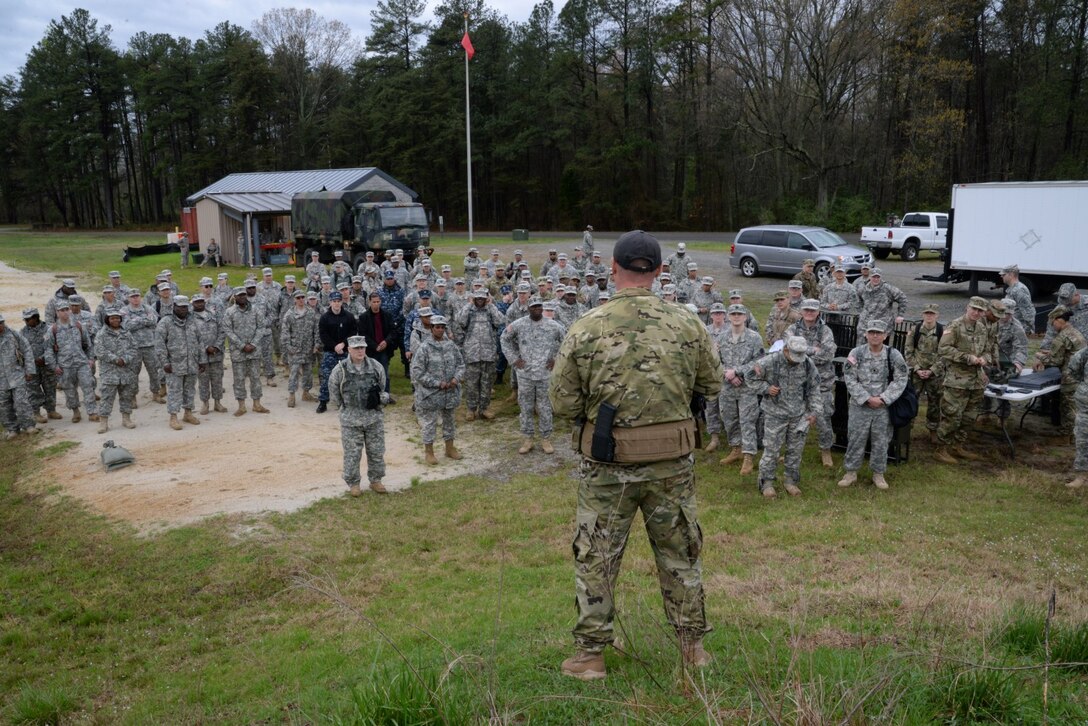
(518, 252)
(425, 261)
(459, 281)
(472, 249)
(795, 285)
(289, 278)
(440, 283)
(866, 266)
(1013, 269)
(343, 285)
(356, 279)
(166, 272)
(664, 276)
(478, 282)
(781, 295)
(735, 309)
(839, 267)
(76, 299)
(370, 254)
(536, 302)
(596, 253)
(666, 263)
(311, 295)
(68, 282)
(418, 277)
(208, 281)
(181, 301)
(564, 275)
(357, 341)
(438, 321)
(240, 291)
(876, 272)
(605, 295)
(681, 246)
(638, 251)
(107, 288)
(389, 274)
(195, 298)
(708, 280)
(524, 287)
(426, 311)
(222, 276)
(931, 308)
(447, 268)
(552, 251)
(494, 252)
(163, 286)
(571, 290)
(979, 303)
(669, 289)
(998, 307)
(324, 279)
(250, 282)
(314, 253)
(335, 296)
(717, 308)
(551, 305)
(2, 318)
(693, 265)
(1009, 304)
(1067, 290)
(266, 271)
(298, 293)
(28, 313)
(1060, 312)
(798, 347)
(338, 253)
(114, 273)
(425, 294)
(561, 290)
(526, 275)
(733, 294)
(591, 273)
(133, 293)
(62, 305)
(876, 325)
(810, 304)
(479, 294)
(563, 256)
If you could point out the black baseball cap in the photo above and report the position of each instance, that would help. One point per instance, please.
(637, 251)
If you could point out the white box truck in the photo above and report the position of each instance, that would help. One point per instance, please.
(1039, 226)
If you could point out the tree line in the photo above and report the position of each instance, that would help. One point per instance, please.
(686, 114)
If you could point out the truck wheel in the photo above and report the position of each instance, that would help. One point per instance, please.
(357, 262)
(881, 254)
(909, 252)
(304, 259)
(1031, 285)
(748, 267)
(821, 271)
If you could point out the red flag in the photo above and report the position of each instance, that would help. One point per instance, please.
(466, 43)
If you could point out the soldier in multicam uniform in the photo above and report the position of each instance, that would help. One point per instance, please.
(1020, 295)
(437, 371)
(790, 385)
(480, 324)
(72, 352)
(643, 457)
(531, 343)
(876, 376)
(141, 321)
(925, 365)
(821, 351)
(738, 404)
(781, 317)
(357, 390)
(810, 286)
(242, 325)
(839, 296)
(881, 301)
(213, 338)
(117, 359)
(966, 348)
(16, 370)
(300, 344)
(704, 297)
(1065, 344)
(177, 343)
(1077, 370)
(42, 388)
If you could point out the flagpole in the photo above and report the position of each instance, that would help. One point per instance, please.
(468, 139)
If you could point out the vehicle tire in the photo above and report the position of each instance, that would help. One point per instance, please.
(881, 254)
(748, 267)
(304, 259)
(822, 270)
(909, 253)
(1031, 285)
(357, 261)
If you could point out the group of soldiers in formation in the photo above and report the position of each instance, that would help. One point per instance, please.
(457, 336)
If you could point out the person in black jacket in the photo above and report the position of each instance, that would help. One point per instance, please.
(334, 329)
(377, 326)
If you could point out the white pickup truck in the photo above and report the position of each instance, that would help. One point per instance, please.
(918, 231)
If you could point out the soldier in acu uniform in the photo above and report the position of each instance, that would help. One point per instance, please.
(72, 352)
(629, 371)
(16, 370)
(875, 377)
(117, 365)
(1077, 371)
(966, 348)
(1065, 344)
(531, 343)
(209, 328)
(437, 371)
(839, 296)
(821, 351)
(141, 321)
(880, 301)
(480, 323)
(1019, 293)
(300, 344)
(42, 389)
(738, 404)
(242, 325)
(357, 390)
(925, 365)
(177, 343)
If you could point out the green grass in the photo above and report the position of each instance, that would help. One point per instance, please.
(452, 603)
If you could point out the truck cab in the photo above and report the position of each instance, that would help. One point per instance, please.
(916, 232)
(356, 222)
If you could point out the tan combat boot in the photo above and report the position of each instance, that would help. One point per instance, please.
(355, 490)
(174, 422)
(713, 445)
(307, 396)
(162, 391)
(733, 455)
(965, 453)
(487, 414)
(792, 489)
(54, 415)
(376, 486)
(204, 408)
(38, 418)
(879, 481)
(585, 666)
(768, 491)
(428, 454)
(1078, 482)
(470, 416)
(92, 417)
(241, 408)
(694, 654)
(103, 424)
(189, 418)
(126, 421)
(290, 400)
(76, 415)
(271, 383)
(258, 408)
(746, 466)
(526, 445)
(219, 407)
(944, 455)
(851, 477)
(451, 451)
(546, 446)
(826, 460)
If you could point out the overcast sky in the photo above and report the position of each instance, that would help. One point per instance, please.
(25, 21)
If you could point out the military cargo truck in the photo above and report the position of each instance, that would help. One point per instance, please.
(356, 222)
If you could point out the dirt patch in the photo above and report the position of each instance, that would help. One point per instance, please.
(281, 461)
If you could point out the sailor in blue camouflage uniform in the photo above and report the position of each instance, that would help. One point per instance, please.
(530, 343)
(629, 370)
(437, 372)
(357, 390)
(875, 375)
(790, 385)
(821, 351)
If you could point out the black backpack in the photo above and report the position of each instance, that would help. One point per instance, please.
(902, 410)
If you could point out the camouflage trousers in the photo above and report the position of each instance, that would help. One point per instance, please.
(150, 361)
(243, 370)
(210, 382)
(713, 415)
(328, 362)
(276, 349)
(1080, 433)
(868, 426)
(739, 414)
(825, 435)
(478, 384)
(605, 514)
(533, 396)
(931, 388)
(74, 380)
(302, 370)
(779, 432)
(125, 393)
(180, 392)
(15, 411)
(1069, 409)
(958, 408)
(428, 422)
(357, 438)
(267, 367)
(42, 391)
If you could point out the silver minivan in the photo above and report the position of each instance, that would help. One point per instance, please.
(781, 248)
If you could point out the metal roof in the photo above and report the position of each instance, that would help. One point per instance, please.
(255, 202)
(292, 182)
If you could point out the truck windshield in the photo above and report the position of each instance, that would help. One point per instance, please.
(824, 238)
(403, 217)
